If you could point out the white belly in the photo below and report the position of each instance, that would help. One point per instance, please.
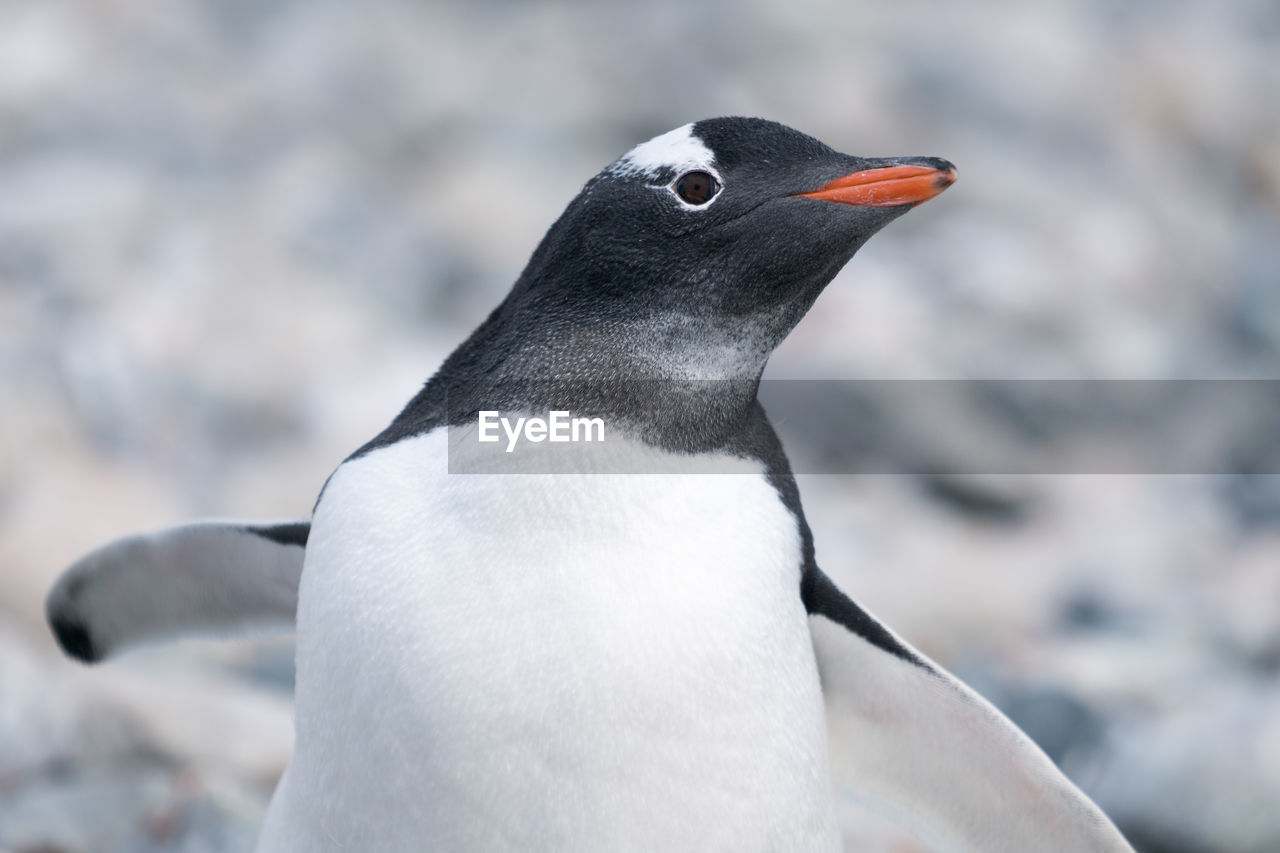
(559, 663)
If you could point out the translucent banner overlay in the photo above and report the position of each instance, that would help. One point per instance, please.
(872, 427)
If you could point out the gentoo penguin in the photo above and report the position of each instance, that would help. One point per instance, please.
(587, 658)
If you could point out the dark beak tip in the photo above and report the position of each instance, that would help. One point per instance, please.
(939, 164)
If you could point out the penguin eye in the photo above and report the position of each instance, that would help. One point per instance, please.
(696, 188)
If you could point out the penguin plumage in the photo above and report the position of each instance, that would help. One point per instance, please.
(635, 650)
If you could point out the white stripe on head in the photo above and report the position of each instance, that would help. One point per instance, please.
(680, 150)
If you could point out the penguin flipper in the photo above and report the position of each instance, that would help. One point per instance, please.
(206, 577)
(910, 740)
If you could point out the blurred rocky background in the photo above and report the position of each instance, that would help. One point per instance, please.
(235, 236)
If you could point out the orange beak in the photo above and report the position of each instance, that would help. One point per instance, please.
(888, 186)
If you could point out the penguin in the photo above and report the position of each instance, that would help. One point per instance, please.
(627, 646)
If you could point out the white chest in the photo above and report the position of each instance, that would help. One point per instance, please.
(554, 662)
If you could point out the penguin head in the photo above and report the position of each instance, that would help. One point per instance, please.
(700, 249)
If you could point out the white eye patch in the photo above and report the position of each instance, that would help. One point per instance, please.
(679, 151)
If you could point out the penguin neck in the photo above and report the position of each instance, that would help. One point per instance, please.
(670, 379)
